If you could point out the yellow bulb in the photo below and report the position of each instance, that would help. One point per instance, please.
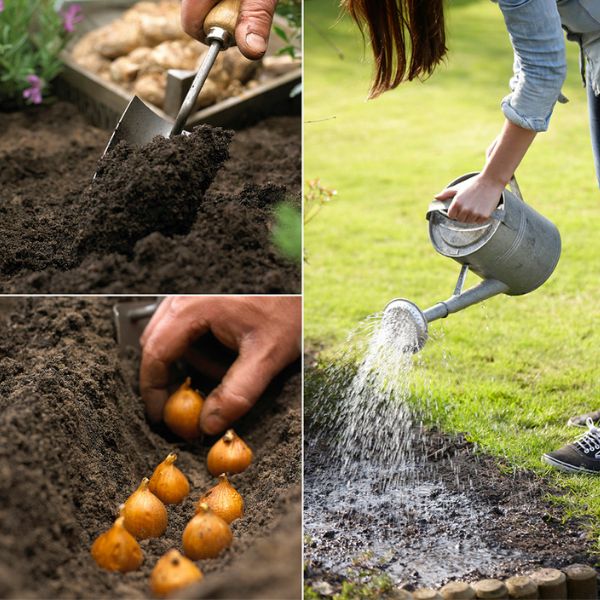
(224, 500)
(206, 535)
(182, 412)
(145, 515)
(173, 572)
(168, 483)
(229, 455)
(117, 550)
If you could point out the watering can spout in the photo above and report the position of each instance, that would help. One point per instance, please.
(416, 321)
(482, 291)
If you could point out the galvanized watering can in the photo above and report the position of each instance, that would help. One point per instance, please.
(514, 252)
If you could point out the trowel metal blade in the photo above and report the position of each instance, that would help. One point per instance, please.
(131, 319)
(138, 125)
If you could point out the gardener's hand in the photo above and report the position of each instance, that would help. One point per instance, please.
(265, 331)
(252, 30)
(475, 199)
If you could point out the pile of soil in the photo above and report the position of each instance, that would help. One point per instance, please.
(175, 216)
(76, 444)
(462, 516)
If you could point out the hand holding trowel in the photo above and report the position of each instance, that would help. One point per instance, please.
(139, 124)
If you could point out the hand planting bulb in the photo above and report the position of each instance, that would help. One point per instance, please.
(229, 455)
(224, 500)
(182, 411)
(145, 515)
(206, 535)
(173, 572)
(168, 483)
(117, 550)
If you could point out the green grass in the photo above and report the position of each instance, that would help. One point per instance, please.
(509, 372)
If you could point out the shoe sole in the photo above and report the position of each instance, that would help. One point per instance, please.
(566, 467)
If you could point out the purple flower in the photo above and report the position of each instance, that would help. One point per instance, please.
(1, 5)
(34, 93)
(71, 17)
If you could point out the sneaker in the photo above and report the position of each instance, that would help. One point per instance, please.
(582, 456)
(581, 420)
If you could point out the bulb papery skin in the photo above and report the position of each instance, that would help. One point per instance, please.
(173, 571)
(168, 483)
(117, 550)
(224, 500)
(145, 515)
(206, 535)
(230, 454)
(182, 412)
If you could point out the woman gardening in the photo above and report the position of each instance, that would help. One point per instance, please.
(408, 40)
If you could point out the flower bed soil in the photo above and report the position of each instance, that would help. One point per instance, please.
(75, 444)
(462, 515)
(187, 215)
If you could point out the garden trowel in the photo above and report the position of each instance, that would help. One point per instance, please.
(130, 320)
(139, 124)
(206, 354)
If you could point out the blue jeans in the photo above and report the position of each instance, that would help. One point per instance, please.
(581, 19)
(539, 67)
(594, 111)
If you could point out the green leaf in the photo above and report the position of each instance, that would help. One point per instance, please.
(287, 231)
(281, 33)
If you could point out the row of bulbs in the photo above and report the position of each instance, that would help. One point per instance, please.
(144, 516)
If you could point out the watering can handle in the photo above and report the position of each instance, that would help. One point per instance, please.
(515, 189)
(442, 206)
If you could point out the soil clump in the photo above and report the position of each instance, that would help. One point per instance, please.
(177, 216)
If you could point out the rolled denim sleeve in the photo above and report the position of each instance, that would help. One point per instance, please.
(540, 64)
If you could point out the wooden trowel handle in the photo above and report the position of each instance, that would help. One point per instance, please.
(224, 15)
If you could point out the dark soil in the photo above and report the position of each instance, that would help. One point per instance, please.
(75, 444)
(465, 516)
(147, 223)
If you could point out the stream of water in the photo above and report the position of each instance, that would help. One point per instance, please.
(369, 486)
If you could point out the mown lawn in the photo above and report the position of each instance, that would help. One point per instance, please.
(510, 372)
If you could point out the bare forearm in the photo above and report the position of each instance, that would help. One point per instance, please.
(475, 199)
(510, 148)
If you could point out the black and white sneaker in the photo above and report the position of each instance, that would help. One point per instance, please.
(581, 420)
(582, 456)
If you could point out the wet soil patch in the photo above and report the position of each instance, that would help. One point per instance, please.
(458, 515)
(76, 443)
(176, 216)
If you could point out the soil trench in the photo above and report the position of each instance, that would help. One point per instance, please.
(189, 214)
(460, 518)
(76, 444)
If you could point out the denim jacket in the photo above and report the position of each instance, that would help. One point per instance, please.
(535, 29)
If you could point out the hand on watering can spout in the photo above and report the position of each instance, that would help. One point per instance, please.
(265, 331)
(253, 26)
(474, 199)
